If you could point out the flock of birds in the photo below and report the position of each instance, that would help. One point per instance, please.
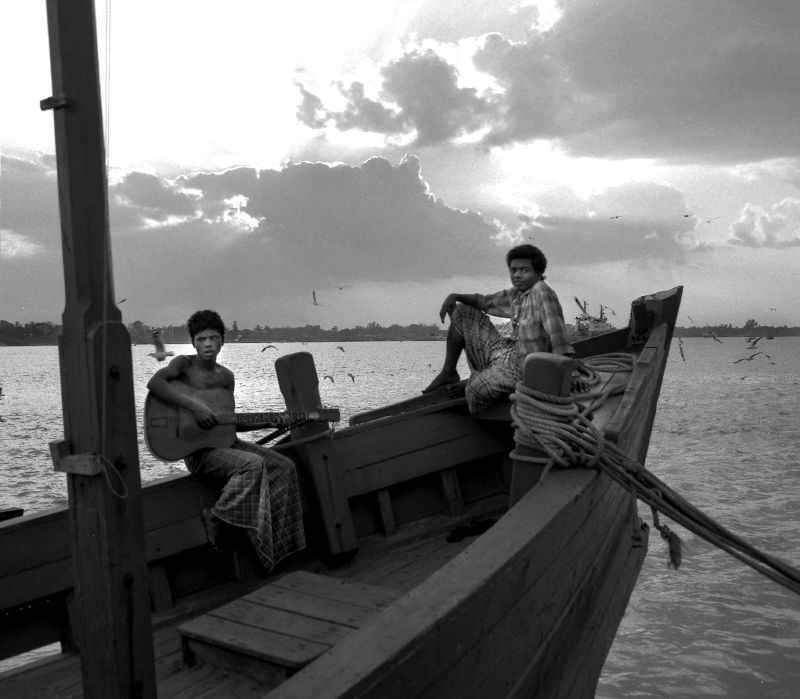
(752, 342)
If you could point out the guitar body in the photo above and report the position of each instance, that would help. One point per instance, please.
(171, 432)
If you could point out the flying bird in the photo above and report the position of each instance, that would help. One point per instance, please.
(339, 347)
(352, 378)
(328, 376)
(709, 220)
(266, 347)
(753, 342)
(122, 300)
(614, 218)
(160, 354)
(747, 359)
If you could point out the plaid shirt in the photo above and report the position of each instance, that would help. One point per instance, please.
(537, 321)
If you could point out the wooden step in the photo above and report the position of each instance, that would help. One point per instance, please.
(277, 629)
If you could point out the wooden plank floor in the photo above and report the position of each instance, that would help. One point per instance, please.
(275, 630)
(397, 562)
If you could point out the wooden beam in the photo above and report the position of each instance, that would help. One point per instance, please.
(299, 384)
(546, 373)
(115, 632)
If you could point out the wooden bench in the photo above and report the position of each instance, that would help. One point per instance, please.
(279, 628)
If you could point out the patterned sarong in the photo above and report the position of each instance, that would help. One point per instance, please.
(492, 357)
(261, 494)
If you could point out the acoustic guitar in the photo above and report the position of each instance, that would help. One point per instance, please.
(171, 431)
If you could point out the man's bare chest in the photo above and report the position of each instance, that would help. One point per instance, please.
(202, 378)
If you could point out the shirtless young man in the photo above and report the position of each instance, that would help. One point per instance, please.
(261, 492)
(495, 358)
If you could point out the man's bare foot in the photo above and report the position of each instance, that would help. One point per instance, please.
(443, 378)
(214, 531)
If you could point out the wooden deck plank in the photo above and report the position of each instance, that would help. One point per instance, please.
(262, 644)
(249, 613)
(352, 592)
(332, 610)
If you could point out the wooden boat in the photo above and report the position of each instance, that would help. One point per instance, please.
(587, 325)
(440, 562)
(382, 604)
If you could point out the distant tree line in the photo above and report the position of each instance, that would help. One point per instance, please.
(32, 333)
(751, 328)
(141, 333)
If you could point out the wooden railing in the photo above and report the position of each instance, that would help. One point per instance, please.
(36, 574)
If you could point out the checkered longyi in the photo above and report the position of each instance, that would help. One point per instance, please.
(261, 493)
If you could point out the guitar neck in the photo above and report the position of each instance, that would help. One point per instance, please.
(276, 418)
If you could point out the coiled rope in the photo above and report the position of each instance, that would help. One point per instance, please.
(560, 427)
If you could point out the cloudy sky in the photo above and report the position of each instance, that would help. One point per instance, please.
(382, 154)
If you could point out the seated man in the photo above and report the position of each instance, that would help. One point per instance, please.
(495, 358)
(261, 492)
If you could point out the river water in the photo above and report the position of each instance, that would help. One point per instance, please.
(726, 437)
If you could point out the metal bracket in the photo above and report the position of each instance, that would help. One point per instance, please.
(76, 464)
(54, 102)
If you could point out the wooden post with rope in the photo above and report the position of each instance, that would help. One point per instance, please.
(99, 453)
(546, 373)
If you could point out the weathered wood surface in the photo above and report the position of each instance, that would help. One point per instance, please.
(283, 625)
(434, 400)
(35, 553)
(546, 373)
(372, 455)
(299, 384)
(501, 597)
(398, 563)
(36, 574)
(112, 621)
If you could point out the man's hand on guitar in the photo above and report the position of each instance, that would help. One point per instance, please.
(205, 417)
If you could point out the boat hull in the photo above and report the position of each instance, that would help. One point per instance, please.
(528, 608)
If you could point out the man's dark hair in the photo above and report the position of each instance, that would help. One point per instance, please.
(528, 252)
(205, 320)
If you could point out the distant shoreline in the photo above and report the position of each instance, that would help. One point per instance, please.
(43, 334)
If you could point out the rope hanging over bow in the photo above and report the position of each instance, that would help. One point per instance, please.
(561, 428)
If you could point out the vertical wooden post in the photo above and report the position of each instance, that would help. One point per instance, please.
(546, 373)
(100, 450)
(299, 384)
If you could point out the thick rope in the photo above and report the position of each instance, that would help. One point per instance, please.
(561, 429)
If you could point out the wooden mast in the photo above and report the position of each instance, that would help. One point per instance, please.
(111, 608)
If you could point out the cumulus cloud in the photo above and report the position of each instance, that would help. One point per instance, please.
(711, 81)
(250, 238)
(420, 99)
(775, 227)
(635, 221)
(152, 197)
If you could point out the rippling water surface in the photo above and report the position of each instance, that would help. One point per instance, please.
(726, 437)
